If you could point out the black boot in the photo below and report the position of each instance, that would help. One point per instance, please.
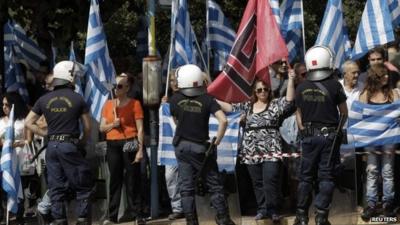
(224, 219)
(322, 217)
(83, 221)
(44, 219)
(301, 217)
(191, 219)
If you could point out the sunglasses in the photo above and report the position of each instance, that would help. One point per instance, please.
(259, 90)
(303, 74)
(120, 86)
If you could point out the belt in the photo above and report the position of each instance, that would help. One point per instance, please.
(63, 138)
(318, 131)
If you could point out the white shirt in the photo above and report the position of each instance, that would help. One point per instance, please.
(352, 95)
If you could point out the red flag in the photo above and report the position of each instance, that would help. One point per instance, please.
(258, 44)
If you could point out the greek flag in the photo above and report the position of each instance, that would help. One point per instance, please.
(374, 125)
(72, 57)
(375, 28)
(9, 167)
(276, 11)
(227, 150)
(26, 50)
(291, 26)
(96, 52)
(184, 36)
(221, 36)
(96, 94)
(394, 8)
(14, 77)
(333, 32)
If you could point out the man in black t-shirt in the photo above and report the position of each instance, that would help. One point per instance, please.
(317, 100)
(191, 107)
(68, 169)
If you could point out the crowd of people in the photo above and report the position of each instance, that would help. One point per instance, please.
(313, 95)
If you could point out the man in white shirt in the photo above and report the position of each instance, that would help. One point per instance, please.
(350, 82)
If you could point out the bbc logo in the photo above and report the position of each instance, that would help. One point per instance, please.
(384, 219)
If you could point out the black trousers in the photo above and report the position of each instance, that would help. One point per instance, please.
(266, 179)
(123, 171)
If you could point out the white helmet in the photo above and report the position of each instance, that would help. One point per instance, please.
(319, 63)
(190, 80)
(64, 72)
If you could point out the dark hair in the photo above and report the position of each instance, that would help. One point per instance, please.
(378, 50)
(254, 98)
(20, 107)
(373, 84)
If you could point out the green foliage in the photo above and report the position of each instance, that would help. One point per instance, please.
(67, 20)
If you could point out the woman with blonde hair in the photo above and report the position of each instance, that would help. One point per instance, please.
(122, 121)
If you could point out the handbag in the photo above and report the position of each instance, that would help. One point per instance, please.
(131, 145)
(25, 154)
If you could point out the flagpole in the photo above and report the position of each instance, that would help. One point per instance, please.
(174, 7)
(169, 69)
(303, 29)
(8, 217)
(208, 36)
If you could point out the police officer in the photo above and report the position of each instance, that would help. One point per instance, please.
(62, 109)
(319, 100)
(191, 107)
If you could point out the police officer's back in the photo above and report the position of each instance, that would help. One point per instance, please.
(319, 100)
(62, 109)
(191, 107)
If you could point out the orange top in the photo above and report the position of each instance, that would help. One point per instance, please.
(128, 114)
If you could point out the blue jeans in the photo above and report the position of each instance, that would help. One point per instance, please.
(266, 184)
(314, 158)
(171, 178)
(383, 164)
(190, 156)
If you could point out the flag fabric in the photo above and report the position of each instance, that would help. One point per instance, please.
(96, 94)
(375, 28)
(14, 77)
(333, 32)
(221, 36)
(26, 50)
(96, 52)
(276, 11)
(227, 149)
(72, 57)
(11, 179)
(258, 44)
(184, 38)
(394, 8)
(374, 125)
(291, 27)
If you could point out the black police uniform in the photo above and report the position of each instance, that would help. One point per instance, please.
(67, 168)
(320, 117)
(192, 114)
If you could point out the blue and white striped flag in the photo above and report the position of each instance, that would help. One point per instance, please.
(374, 125)
(221, 36)
(11, 179)
(291, 27)
(14, 77)
(26, 50)
(394, 8)
(96, 94)
(276, 11)
(375, 28)
(185, 39)
(72, 57)
(333, 32)
(227, 150)
(96, 52)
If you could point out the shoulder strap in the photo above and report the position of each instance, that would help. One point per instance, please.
(323, 89)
